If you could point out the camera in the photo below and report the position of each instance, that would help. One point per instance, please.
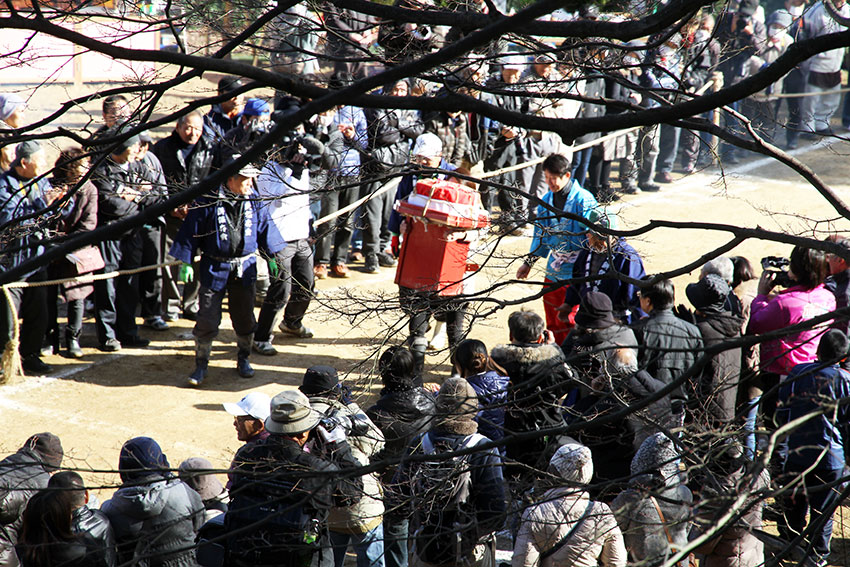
(779, 265)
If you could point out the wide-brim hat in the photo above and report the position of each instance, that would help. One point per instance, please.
(291, 414)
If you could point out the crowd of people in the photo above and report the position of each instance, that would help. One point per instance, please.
(616, 428)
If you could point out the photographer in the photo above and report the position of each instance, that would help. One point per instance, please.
(805, 298)
(342, 419)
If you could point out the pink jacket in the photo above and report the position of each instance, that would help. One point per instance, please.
(789, 307)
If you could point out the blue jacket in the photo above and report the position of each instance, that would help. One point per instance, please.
(810, 387)
(624, 260)
(350, 162)
(492, 390)
(561, 238)
(405, 188)
(200, 231)
(19, 198)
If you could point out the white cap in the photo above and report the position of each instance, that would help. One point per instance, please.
(255, 404)
(515, 62)
(428, 145)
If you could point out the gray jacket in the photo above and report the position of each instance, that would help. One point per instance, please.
(155, 524)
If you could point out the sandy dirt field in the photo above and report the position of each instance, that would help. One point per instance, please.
(97, 403)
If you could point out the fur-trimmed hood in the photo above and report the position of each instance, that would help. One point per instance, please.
(526, 354)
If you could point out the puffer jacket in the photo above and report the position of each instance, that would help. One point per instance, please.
(789, 307)
(718, 389)
(597, 541)
(22, 474)
(492, 390)
(669, 347)
(156, 523)
(655, 476)
(540, 378)
(95, 531)
(400, 416)
(366, 441)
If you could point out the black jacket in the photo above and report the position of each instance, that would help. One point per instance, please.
(401, 416)
(92, 546)
(181, 173)
(22, 474)
(280, 497)
(668, 347)
(540, 378)
(113, 182)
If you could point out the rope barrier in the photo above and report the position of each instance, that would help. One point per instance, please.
(392, 184)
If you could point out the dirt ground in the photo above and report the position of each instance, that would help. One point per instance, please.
(97, 403)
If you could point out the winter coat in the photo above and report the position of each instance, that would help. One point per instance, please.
(401, 416)
(452, 132)
(669, 347)
(96, 532)
(818, 22)
(655, 476)
(115, 181)
(390, 134)
(492, 390)
(598, 541)
(594, 88)
(587, 349)
(718, 389)
(737, 47)
(839, 285)
(623, 259)
(180, 172)
(280, 494)
(561, 239)
(156, 523)
(22, 474)
(540, 378)
(789, 307)
(366, 441)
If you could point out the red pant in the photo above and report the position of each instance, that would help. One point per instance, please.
(552, 300)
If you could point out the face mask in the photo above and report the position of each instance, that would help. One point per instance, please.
(775, 32)
(796, 11)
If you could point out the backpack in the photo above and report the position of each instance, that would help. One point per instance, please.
(445, 525)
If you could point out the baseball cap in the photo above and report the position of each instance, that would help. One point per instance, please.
(255, 404)
(256, 107)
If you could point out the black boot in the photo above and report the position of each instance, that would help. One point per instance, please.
(243, 367)
(73, 341)
(202, 360)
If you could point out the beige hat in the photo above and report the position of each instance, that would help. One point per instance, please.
(291, 413)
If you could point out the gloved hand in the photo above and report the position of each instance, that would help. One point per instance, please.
(274, 270)
(187, 273)
(394, 245)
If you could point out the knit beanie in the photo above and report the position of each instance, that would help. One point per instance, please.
(457, 404)
(572, 462)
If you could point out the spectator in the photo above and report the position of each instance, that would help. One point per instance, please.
(228, 229)
(120, 194)
(824, 69)
(557, 237)
(61, 529)
(359, 523)
(744, 284)
(224, 116)
(566, 527)
(473, 506)
(284, 189)
(186, 157)
(349, 35)
(715, 395)
(22, 474)
(404, 42)
(606, 257)
(155, 516)
(539, 379)
(404, 411)
(276, 479)
(816, 447)
(250, 414)
(724, 268)
(198, 474)
(12, 112)
(24, 192)
(669, 346)
(838, 281)
(490, 382)
(654, 511)
(252, 123)
(805, 298)
(795, 81)
(115, 111)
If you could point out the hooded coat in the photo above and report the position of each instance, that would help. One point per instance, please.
(655, 481)
(596, 541)
(155, 516)
(22, 474)
(540, 378)
(718, 389)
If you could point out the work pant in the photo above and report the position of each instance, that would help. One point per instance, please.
(187, 301)
(647, 153)
(150, 281)
(335, 236)
(240, 303)
(817, 499)
(116, 299)
(30, 306)
(818, 108)
(795, 82)
(376, 215)
(369, 547)
(668, 148)
(292, 290)
(420, 306)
